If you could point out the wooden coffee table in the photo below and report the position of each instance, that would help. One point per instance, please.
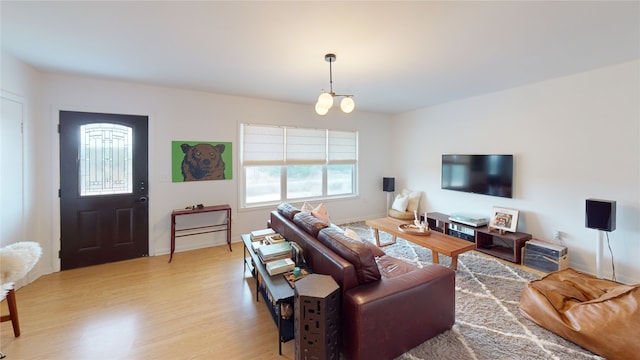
(437, 242)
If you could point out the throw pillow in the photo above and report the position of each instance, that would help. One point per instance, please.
(306, 207)
(400, 203)
(414, 199)
(320, 212)
(350, 233)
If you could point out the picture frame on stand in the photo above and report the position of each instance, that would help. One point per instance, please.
(504, 219)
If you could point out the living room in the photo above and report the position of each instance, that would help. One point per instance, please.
(573, 136)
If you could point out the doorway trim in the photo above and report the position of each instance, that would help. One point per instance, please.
(54, 117)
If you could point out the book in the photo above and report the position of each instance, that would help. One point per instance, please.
(259, 235)
(274, 251)
(274, 239)
(279, 266)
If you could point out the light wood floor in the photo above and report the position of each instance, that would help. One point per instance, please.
(201, 306)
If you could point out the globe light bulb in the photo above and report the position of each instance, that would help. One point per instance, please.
(325, 100)
(347, 104)
(320, 110)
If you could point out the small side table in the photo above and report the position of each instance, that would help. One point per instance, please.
(205, 229)
(317, 317)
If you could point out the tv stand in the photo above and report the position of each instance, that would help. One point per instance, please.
(506, 246)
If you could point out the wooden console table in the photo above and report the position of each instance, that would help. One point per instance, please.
(506, 246)
(275, 291)
(205, 229)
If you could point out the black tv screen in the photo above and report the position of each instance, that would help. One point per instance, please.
(479, 174)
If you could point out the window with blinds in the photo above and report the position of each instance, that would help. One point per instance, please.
(291, 164)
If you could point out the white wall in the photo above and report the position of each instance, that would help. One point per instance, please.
(189, 115)
(573, 138)
(21, 84)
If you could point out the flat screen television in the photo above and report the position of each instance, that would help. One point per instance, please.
(479, 174)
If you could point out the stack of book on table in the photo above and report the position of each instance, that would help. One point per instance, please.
(276, 257)
(260, 235)
(273, 252)
(281, 266)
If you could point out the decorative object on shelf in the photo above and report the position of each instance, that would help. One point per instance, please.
(291, 277)
(503, 220)
(325, 100)
(414, 229)
(193, 207)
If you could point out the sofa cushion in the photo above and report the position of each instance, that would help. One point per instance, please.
(354, 251)
(391, 267)
(287, 210)
(350, 233)
(309, 223)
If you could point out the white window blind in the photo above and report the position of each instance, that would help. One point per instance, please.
(343, 147)
(274, 145)
(306, 146)
(262, 145)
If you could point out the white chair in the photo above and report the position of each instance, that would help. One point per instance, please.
(16, 260)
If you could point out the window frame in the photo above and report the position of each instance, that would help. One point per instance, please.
(340, 148)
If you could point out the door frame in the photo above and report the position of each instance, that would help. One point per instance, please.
(55, 173)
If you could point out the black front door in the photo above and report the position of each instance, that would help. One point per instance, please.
(103, 188)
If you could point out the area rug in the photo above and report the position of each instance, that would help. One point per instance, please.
(488, 323)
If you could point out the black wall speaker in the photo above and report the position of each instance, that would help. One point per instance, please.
(600, 214)
(389, 184)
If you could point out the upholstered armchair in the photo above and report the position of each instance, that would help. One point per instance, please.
(405, 205)
(16, 260)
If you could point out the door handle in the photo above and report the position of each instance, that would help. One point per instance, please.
(142, 199)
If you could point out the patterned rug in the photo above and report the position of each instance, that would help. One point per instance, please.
(488, 323)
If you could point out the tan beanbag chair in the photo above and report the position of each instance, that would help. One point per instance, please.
(600, 315)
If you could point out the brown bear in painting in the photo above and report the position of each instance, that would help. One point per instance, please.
(202, 162)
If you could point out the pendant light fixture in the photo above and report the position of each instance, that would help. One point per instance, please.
(325, 100)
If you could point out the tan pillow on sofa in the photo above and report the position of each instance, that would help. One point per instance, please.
(321, 213)
(350, 233)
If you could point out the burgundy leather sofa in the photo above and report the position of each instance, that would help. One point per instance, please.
(388, 306)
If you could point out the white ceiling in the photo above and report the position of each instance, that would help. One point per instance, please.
(393, 56)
